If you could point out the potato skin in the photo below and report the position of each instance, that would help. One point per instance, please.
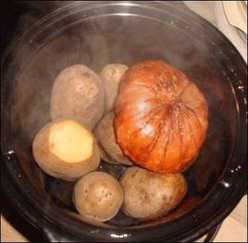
(148, 195)
(111, 75)
(78, 93)
(97, 196)
(53, 165)
(109, 149)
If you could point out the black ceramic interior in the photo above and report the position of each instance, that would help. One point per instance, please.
(96, 34)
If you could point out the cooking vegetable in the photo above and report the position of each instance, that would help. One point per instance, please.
(161, 117)
(148, 195)
(65, 149)
(78, 93)
(110, 150)
(111, 75)
(98, 196)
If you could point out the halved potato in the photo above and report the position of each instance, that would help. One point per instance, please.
(66, 149)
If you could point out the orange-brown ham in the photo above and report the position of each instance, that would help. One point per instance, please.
(161, 117)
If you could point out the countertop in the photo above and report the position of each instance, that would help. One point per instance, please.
(233, 229)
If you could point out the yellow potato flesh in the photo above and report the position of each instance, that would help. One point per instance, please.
(70, 142)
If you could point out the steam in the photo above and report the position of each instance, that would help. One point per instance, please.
(187, 43)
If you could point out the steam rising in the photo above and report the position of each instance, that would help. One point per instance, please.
(184, 41)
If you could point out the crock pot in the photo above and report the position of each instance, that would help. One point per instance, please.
(98, 33)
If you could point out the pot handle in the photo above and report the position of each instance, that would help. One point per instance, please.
(212, 233)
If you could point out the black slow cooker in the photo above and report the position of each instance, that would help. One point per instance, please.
(59, 34)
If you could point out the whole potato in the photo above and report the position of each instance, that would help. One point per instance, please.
(65, 149)
(111, 75)
(109, 149)
(148, 195)
(98, 196)
(78, 93)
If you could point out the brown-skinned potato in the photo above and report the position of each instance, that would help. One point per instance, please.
(148, 195)
(97, 196)
(78, 93)
(110, 150)
(111, 75)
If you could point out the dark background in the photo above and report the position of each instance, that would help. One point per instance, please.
(11, 13)
(16, 16)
